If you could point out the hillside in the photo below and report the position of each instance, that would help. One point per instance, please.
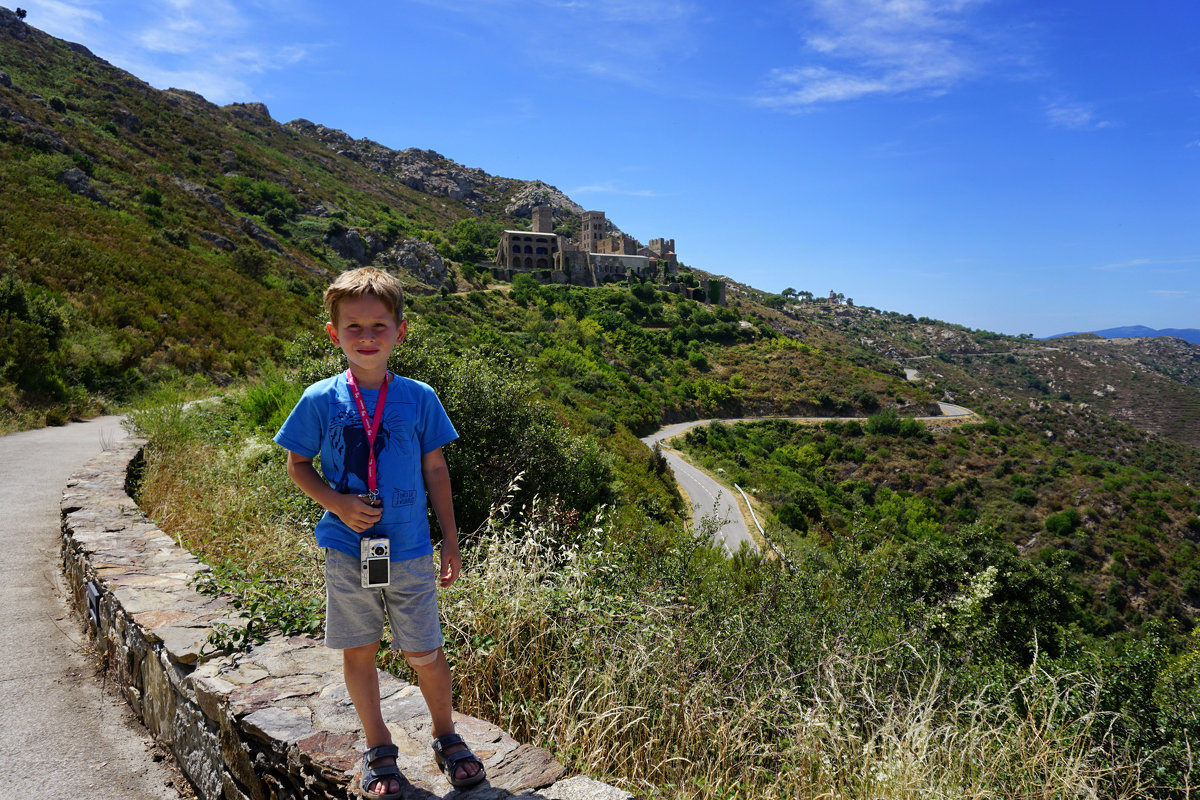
(162, 236)
(160, 241)
(159, 234)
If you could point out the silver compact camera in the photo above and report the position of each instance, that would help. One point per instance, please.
(375, 553)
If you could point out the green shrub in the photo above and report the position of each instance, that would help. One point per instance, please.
(1025, 496)
(1063, 523)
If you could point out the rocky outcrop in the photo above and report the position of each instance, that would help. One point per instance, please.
(273, 722)
(203, 192)
(349, 245)
(78, 182)
(33, 133)
(12, 25)
(217, 240)
(255, 113)
(256, 232)
(418, 257)
(541, 194)
(422, 170)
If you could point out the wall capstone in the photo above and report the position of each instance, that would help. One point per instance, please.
(272, 722)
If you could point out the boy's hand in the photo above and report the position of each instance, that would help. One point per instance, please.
(451, 565)
(356, 513)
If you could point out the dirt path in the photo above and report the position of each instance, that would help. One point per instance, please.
(62, 732)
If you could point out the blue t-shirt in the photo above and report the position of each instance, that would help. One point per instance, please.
(326, 421)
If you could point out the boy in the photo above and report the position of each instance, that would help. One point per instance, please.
(380, 439)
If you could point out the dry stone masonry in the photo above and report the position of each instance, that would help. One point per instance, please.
(274, 722)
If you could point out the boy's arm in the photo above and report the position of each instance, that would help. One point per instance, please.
(437, 484)
(348, 508)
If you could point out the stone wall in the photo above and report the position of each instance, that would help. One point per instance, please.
(273, 722)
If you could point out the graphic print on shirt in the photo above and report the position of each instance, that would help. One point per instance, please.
(393, 446)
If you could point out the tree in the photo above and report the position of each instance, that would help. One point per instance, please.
(20, 13)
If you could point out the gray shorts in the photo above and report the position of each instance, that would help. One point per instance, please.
(354, 615)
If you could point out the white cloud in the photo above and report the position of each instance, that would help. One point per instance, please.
(187, 26)
(213, 47)
(216, 86)
(639, 12)
(1159, 265)
(71, 21)
(609, 187)
(858, 48)
(1073, 116)
(628, 41)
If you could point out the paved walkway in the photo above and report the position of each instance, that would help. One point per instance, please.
(61, 732)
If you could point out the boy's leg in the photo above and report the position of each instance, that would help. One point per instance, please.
(362, 682)
(436, 685)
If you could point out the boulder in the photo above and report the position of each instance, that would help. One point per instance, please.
(418, 257)
(78, 182)
(203, 192)
(349, 245)
(218, 241)
(255, 232)
(256, 113)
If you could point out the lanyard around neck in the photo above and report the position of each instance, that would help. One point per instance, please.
(371, 426)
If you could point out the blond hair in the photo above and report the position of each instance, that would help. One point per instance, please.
(364, 281)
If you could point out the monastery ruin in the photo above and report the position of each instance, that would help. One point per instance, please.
(595, 257)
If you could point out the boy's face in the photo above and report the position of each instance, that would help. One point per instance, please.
(366, 330)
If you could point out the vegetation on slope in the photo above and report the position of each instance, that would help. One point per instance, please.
(995, 611)
(157, 235)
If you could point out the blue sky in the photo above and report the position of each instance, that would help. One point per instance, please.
(1024, 167)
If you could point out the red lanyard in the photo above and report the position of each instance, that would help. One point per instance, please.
(371, 426)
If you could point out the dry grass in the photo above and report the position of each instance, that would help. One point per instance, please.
(617, 687)
(227, 506)
(636, 688)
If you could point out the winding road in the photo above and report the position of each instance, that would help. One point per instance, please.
(62, 733)
(711, 498)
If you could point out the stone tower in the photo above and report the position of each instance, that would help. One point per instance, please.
(543, 219)
(592, 230)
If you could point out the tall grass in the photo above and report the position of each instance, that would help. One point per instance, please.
(621, 686)
(226, 497)
(645, 657)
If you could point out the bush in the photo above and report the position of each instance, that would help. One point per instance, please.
(1025, 496)
(259, 197)
(1063, 523)
(885, 423)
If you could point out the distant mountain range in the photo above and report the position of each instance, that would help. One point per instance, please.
(1187, 334)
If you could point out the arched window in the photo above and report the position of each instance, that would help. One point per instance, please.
(516, 248)
(529, 262)
(528, 249)
(541, 263)
(541, 251)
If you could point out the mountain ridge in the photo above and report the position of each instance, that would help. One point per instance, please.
(1133, 331)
